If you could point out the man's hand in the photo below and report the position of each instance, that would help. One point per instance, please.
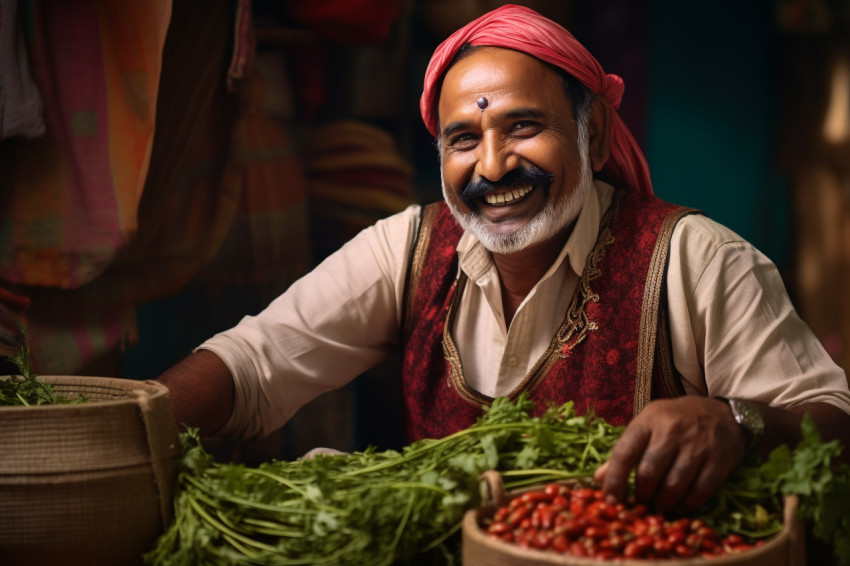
(682, 449)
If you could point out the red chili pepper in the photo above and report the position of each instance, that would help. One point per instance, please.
(640, 527)
(602, 510)
(560, 543)
(517, 515)
(743, 547)
(561, 501)
(535, 517)
(583, 493)
(577, 506)
(676, 537)
(577, 549)
(597, 532)
(547, 516)
(684, 550)
(635, 549)
(542, 539)
(534, 496)
(662, 547)
(498, 527)
(573, 527)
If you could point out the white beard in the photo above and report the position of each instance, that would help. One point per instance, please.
(554, 217)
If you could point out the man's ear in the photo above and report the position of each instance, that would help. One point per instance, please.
(599, 133)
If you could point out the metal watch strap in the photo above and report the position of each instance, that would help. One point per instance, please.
(748, 417)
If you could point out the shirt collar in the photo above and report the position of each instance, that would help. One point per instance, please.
(475, 260)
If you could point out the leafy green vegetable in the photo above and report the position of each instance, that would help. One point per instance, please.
(26, 389)
(371, 507)
(750, 501)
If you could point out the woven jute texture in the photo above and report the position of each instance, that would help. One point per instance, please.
(787, 548)
(88, 483)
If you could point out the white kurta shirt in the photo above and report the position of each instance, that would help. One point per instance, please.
(734, 330)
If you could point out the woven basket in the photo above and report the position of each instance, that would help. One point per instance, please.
(87, 483)
(786, 548)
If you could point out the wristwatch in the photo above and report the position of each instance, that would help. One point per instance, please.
(748, 417)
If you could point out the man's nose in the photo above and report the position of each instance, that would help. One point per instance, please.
(495, 158)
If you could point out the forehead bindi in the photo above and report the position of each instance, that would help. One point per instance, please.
(493, 80)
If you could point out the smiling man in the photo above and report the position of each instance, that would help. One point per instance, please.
(550, 270)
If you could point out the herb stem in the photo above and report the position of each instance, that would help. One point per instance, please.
(227, 530)
(394, 544)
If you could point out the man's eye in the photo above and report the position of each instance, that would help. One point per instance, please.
(462, 140)
(524, 125)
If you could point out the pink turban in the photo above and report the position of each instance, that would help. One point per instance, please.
(523, 29)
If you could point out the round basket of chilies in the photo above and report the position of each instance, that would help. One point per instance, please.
(570, 523)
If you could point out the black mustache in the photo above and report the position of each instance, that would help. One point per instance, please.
(519, 177)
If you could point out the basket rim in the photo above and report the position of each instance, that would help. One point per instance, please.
(111, 384)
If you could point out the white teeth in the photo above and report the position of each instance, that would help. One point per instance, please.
(501, 199)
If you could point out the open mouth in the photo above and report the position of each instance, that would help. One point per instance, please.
(505, 198)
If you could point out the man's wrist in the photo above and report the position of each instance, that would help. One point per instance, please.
(748, 418)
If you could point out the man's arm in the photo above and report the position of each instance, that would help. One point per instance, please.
(683, 449)
(201, 391)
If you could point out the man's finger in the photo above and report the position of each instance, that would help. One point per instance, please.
(599, 474)
(679, 480)
(624, 457)
(708, 480)
(652, 469)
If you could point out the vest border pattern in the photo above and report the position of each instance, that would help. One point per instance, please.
(418, 253)
(649, 320)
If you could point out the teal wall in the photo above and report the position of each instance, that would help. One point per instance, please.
(710, 133)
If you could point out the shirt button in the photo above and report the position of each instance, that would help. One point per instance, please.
(513, 361)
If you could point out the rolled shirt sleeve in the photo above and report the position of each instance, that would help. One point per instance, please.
(735, 331)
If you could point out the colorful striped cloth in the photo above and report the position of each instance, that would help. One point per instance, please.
(154, 176)
(71, 196)
(100, 215)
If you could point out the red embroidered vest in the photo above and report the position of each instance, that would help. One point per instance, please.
(611, 353)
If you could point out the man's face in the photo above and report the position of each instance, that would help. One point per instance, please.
(514, 172)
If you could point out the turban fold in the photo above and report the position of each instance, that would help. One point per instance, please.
(523, 29)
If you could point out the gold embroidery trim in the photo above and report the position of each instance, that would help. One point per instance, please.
(417, 261)
(456, 378)
(649, 317)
